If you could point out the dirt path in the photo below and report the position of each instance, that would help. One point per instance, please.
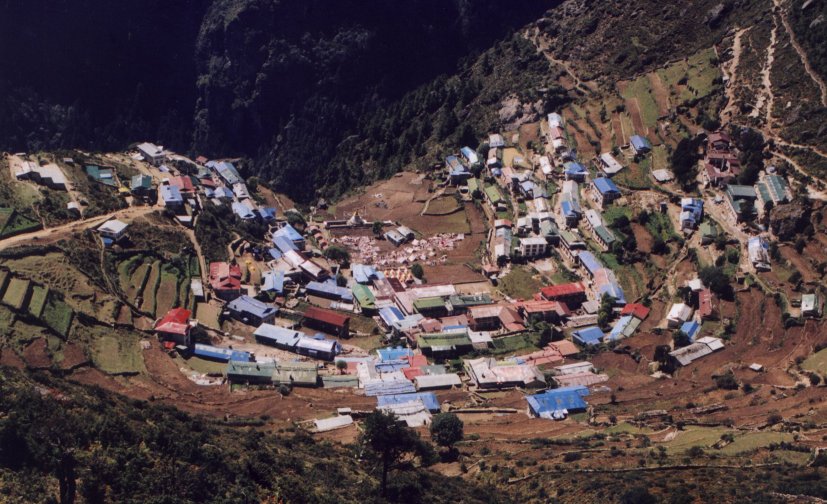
(766, 96)
(71, 227)
(731, 71)
(801, 54)
(812, 192)
(544, 48)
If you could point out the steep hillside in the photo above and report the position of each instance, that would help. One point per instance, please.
(59, 441)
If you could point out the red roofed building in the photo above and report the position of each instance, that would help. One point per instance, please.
(636, 310)
(705, 303)
(175, 326)
(412, 372)
(573, 294)
(327, 321)
(183, 183)
(225, 280)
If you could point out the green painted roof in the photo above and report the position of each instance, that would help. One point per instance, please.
(741, 192)
(493, 194)
(251, 369)
(470, 300)
(473, 184)
(763, 192)
(364, 296)
(443, 340)
(141, 182)
(607, 236)
(300, 372)
(429, 303)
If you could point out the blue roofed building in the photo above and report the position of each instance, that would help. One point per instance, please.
(284, 244)
(470, 155)
(391, 314)
(268, 214)
(171, 196)
(291, 234)
(393, 353)
(605, 283)
(571, 211)
(640, 145)
(605, 190)
(277, 336)
(226, 171)
(329, 290)
(457, 173)
(364, 273)
(317, 347)
(556, 404)
(223, 193)
(588, 336)
(242, 211)
(692, 212)
(273, 281)
(589, 262)
(623, 328)
(573, 170)
(220, 354)
(251, 311)
(691, 329)
(428, 399)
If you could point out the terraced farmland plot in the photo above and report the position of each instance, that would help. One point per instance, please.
(636, 176)
(116, 353)
(13, 222)
(166, 296)
(693, 78)
(38, 300)
(17, 293)
(57, 315)
(136, 281)
(152, 283)
(638, 94)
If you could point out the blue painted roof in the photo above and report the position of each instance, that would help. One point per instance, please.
(224, 192)
(573, 167)
(390, 366)
(284, 244)
(605, 185)
(496, 172)
(363, 273)
(617, 331)
(171, 194)
(428, 399)
(290, 233)
(614, 290)
(277, 335)
(246, 304)
(467, 151)
(243, 211)
(226, 170)
(589, 261)
(565, 398)
(691, 329)
(639, 142)
(568, 208)
(393, 353)
(588, 335)
(267, 213)
(221, 354)
(274, 253)
(393, 387)
(327, 289)
(391, 314)
(273, 281)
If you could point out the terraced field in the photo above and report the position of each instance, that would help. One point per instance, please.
(13, 222)
(57, 315)
(38, 300)
(16, 293)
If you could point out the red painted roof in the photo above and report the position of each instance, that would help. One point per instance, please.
(543, 306)
(225, 276)
(636, 310)
(412, 372)
(328, 317)
(183, 183)
(562, 290)
(705, 303)
(208, 182)
(176, 321)
(417, 360)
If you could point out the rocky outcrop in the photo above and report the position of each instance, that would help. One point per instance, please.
(787, 220)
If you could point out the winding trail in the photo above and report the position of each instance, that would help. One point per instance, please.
(766, 97)
(731, 71)
(801, 53)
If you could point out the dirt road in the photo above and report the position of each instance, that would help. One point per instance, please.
(71, 227)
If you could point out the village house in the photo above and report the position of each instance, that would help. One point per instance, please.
(741, 200)
(640, 145)
(277, 336)
(533, 246)
(692, 213)
(588, 336)
(327, 321)
(296, 374)
(251, 311)
(605, 191)
(811, 305)
(317, 347)
(469, 155)
(575, 171)
(151, 153)
(175, 326)
(171, 196)
(489, 373)
(678, 314)
(772, 189)
(141, 186)
(758, 250)
(543, 311)
(556, 404)
(225, 280)
(571, 244)
(250, 373)
(112, 231)
(608, 164)
(572, 294)
(49, 175)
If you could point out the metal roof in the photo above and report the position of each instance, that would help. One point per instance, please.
(561, 399)
(277, 335)
(588, 335)
(246, 304)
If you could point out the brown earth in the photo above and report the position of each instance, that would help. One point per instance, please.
(36, 354)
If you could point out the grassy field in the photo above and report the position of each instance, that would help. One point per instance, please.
(362, 324)
(167, 296)
(117, 353)
(752, 440)
(660, 158)
(659, 225)
(697, 436)
(201, 365)
(519, 344)
(456, 222)
(13, 222)
(640, 89)
(16, 293)
(636, 176)
(152, 283)
(816, 362)
(38, 300)
(693, 78)
(57, 315)
(520, 283)
(443, 205)
(207, 315)
(614, 212)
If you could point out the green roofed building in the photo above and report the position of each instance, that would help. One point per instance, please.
(432, 306)
(492, 193)
(364, 298)
(459, 302)
(253, 373)
(709, 231)
(444, 345)
(141, 185)
(299, 374)
(473, 186)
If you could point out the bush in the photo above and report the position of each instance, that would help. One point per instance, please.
(726, 381)
(572, 457)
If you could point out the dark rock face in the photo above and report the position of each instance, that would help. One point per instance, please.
(786, 221)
